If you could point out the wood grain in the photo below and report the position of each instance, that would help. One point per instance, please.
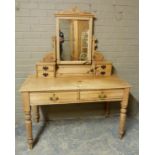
(66, 82)
(28, 121)
(123, 110)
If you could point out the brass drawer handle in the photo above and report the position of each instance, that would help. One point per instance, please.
(54, 98)
(51, 98)
(102, 96)
(45, 74)
(45, 68)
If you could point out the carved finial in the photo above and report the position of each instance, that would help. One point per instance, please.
(74, 12)
(75, 9)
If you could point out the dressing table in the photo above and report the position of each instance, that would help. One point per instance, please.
(73, 72)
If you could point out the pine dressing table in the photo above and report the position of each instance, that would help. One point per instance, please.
(74, 72)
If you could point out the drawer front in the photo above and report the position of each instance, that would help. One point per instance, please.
(103, 70)
(53, 98)
(101, 95)
(45, 67)
(45, 74)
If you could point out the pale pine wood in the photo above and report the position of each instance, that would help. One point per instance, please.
(102, 69)
(43, 98)
(28, 121)
(73, 62)
(102, 95)
(45, 74)
(45, 70)
(70, 82)
(73, 69)
(74, 12)
(45, 67)
(94, 46)
(124, 104)
(63, 97)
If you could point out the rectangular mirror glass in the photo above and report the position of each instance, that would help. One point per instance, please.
(73, 40)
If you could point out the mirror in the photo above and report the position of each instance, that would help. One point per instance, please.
(73, 40)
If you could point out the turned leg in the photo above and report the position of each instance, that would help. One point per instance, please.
(36, 113)
(28, 122)
(124, 104)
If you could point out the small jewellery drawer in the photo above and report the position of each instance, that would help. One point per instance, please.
(99, 95)
(45, 67)
(45, 74)
(103, 70)
(42, 98)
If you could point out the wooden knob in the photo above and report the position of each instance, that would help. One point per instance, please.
(102, 73)
(104, 96)
(45, 74)
(45, 68)
(103, 66)
(92, 70)
(57, 98)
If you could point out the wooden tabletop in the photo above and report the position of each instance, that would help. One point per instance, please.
(72, 83)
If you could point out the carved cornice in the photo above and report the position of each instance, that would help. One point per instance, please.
(74, 12)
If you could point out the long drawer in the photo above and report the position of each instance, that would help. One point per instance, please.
(101, 95)
(43, 98)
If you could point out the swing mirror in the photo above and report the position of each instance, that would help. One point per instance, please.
(74, 40)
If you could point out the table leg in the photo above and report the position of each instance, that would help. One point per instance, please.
(36, 113)
(124, 104)
(28, 121)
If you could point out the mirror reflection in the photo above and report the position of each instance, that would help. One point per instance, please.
(73, 39)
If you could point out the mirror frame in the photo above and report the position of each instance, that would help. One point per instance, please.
(89, 60)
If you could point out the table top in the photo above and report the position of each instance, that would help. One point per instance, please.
(72, 83)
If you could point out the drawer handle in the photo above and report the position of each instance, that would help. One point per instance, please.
(102, 73)
(102, 96)
(103, 66)
(54, 98)
(45, 74)
(45, 68)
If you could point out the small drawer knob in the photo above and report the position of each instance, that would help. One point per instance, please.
(102, 73)
(45, 68)
(103, 66)
(45, 74)
(57, 98)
